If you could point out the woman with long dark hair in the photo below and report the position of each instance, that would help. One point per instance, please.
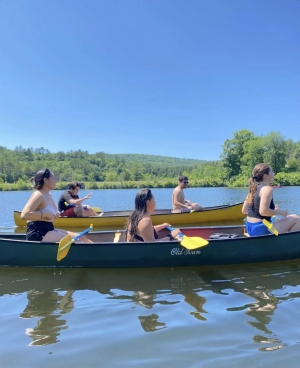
(259, 204)
(140, 227)
(41, 210)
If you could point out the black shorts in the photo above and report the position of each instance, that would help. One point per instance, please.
(37, 229)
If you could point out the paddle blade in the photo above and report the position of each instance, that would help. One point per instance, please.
(96, 209)
(193, 242)
(64, 246)
(270, 227)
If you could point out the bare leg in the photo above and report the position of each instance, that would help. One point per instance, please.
(290, 223)
(197, 207)
(89, 212)
(55, 236)
(78, 210)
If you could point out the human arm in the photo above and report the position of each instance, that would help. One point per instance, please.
(161, 226)
(79, 200)
(188, 202)
(266, 194)
(145, 228)
(245, 207)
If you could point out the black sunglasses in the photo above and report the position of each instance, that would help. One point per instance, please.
(185, 182)
(46, 174)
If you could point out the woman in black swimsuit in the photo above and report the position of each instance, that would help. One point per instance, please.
(41, 210)
(140, 227)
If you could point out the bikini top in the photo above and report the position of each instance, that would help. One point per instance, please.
(51, 209)
(137, 237)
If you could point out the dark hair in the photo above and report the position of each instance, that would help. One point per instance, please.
(38, 179)
(74, 185)
(257, 177)
(182, 178)
(140, 208)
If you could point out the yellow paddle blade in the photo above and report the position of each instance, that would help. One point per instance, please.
(270, 227)
(193, 242)
(96, 209)
(64, 246)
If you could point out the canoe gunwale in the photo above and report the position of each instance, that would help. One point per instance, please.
(117, 219)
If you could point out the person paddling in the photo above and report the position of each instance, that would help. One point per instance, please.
(140, 227)
(259, 204)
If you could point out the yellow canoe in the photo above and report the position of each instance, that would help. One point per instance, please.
(118, 219)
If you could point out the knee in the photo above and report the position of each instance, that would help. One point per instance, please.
(79, 211)
(295, 216)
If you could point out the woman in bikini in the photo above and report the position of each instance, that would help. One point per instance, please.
(41, 210)
(140, 227)
(259, 204)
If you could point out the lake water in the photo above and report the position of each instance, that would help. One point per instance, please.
(224, 316)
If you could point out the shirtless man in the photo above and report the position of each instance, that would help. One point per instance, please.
(180, 204)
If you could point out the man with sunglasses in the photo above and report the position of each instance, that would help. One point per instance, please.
(179, 203)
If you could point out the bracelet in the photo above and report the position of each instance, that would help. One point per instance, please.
(41, 214)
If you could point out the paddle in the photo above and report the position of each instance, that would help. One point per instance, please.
(270, 227)
(66, 242)
(190, 242)
(95, 209)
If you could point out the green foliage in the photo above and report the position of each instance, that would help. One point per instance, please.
(233, 151)
(105, 171)
(246, 150)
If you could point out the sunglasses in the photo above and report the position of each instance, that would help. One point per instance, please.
(46, 173)
(185, 182)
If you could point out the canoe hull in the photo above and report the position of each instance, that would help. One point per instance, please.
(15, 251)
(118, 219)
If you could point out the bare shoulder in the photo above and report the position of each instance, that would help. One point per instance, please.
(267, 189)
(36, 195)
(177, 190)
(146, 221)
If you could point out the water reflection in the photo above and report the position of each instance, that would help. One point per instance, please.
(156, 297)
(48, 307)
(150, 323)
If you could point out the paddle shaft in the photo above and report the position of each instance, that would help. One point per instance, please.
(172, 228)
(74, 239)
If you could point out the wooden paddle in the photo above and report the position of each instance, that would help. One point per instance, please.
(270, 227)
(190, 242)
(95, 209)
(66, 242)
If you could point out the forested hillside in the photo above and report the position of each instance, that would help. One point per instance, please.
(100, 170)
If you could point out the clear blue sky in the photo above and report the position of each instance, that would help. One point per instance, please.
(166, 77)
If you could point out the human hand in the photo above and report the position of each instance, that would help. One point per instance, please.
(188, 202)
(88, 196)
(282, 213)
(165, 225)
(175, 233)
(57, 215)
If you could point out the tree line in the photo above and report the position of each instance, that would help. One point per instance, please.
(101, 170)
